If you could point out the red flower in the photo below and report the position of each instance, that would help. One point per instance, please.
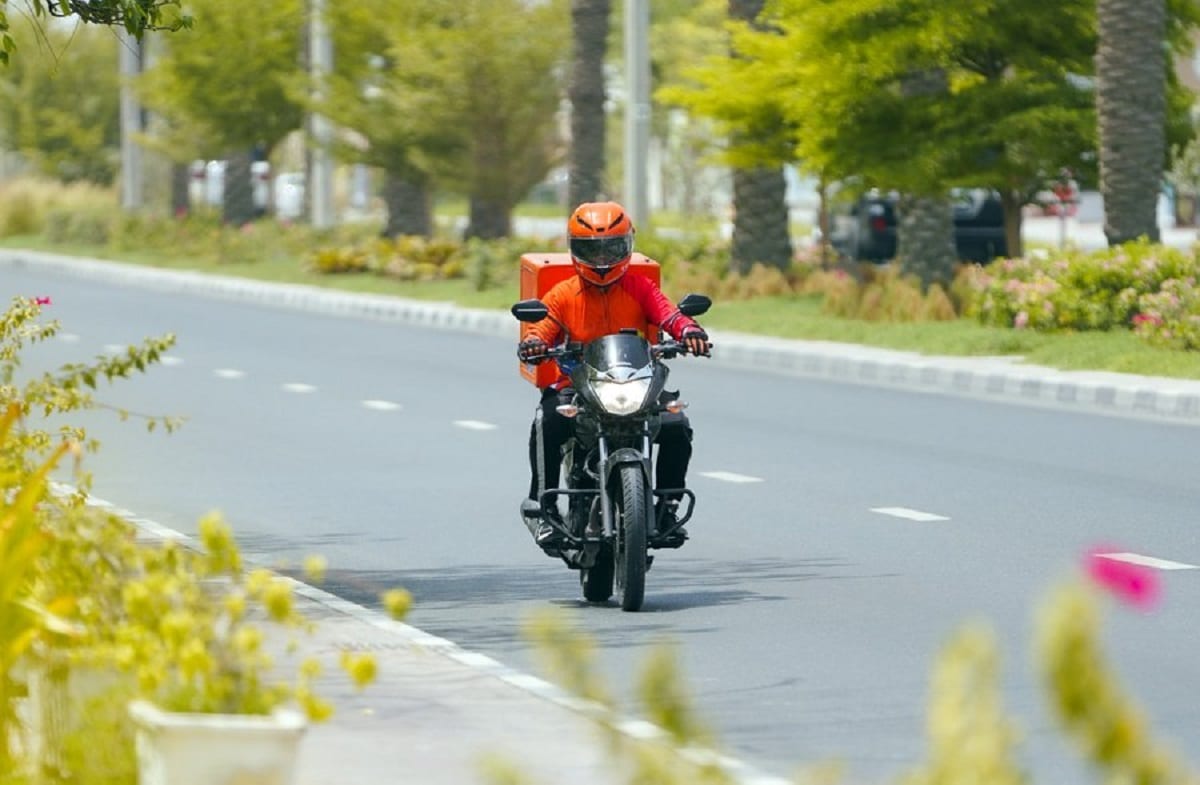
(1131, 583)
(41, 300)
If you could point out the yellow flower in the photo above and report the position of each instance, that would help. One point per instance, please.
(247, 640)
(235, 605)
(362, 668)
(315, 567)
(218, 541)
(397, 603)
(277, 598)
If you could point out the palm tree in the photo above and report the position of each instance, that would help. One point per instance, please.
(586, 92)
(760, 212)
(1131, 106)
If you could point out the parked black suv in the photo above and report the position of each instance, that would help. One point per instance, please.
(866, 230)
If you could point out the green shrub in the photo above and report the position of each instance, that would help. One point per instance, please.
(20, 211)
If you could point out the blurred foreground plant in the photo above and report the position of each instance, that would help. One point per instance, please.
(1105, 723)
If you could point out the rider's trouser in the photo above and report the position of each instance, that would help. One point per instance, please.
(550, 431)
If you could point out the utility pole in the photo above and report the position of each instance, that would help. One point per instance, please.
(130, 64)
(321, 63)
(637, 109)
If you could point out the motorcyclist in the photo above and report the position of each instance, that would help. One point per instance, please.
(601, 299)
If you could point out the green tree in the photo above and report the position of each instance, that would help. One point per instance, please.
(476, 97)
(385, 91)
(507, 94)
(226, 87)
(922, 96)
(760, 138)
(59, 109)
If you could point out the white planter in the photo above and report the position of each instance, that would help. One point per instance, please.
(67, 705)
(215, 749)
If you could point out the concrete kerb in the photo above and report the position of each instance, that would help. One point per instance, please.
(1000, 378)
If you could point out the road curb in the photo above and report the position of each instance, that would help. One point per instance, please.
(996, 378)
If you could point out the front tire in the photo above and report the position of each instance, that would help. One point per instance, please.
(597, 580)
(630, 555)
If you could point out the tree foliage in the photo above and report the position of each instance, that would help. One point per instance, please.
(135, 16)
(59, 109)
(227, 84)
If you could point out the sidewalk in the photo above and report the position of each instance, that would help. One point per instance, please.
(438, 713)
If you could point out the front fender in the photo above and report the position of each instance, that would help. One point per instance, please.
(626, 456)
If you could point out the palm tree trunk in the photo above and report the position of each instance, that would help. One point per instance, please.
(1131, 109)
(488, 219)
(409, 206)
(926, 239)
(760, 219)
(237, 206)
(586, 92)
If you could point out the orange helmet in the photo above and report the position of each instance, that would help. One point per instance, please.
(601, 240)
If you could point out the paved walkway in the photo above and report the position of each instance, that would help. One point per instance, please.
(438, 711)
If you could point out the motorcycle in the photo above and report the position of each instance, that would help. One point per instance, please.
(612, 520)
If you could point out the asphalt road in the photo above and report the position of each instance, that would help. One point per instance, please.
(806, 620)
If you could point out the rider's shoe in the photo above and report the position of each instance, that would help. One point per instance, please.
(666, 520)
(548, 536)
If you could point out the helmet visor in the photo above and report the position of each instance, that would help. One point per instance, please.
(601, 251)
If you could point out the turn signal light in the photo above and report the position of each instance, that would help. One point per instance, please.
(676, 406)
(567, 409)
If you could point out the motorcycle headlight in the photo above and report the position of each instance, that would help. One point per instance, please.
(621, 398)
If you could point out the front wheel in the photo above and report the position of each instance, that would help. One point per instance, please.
(630, 555)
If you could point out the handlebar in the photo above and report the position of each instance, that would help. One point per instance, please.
(668, 349)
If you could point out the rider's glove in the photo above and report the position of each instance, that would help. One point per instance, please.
(696, 340)
(531, 350)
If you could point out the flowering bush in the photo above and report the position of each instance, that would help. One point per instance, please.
(1150, 288)
(1171, 316)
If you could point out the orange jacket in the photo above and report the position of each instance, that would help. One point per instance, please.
(590, 312)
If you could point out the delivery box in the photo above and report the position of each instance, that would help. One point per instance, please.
(539, 274)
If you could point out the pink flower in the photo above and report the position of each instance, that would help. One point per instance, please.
(1021, 320)
(1134, 584)
(1146, 318)
(41, 300)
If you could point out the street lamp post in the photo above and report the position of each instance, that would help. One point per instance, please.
(131, 122)
(321, 63)
(637, 109)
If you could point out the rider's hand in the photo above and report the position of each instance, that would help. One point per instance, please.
(696, 341)
(532, 350)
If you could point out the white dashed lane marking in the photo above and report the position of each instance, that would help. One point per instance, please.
(115, 348)
(381, 406)
(731, 477)
(475, 425)
(229, 373)
(299, 387)
(68, 337)
(1148, 561)
(906, 513)
(170, 361)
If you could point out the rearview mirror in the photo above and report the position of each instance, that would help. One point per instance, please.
(694, 305)
(530, 311)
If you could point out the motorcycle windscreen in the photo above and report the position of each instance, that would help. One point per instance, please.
(617, 356)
